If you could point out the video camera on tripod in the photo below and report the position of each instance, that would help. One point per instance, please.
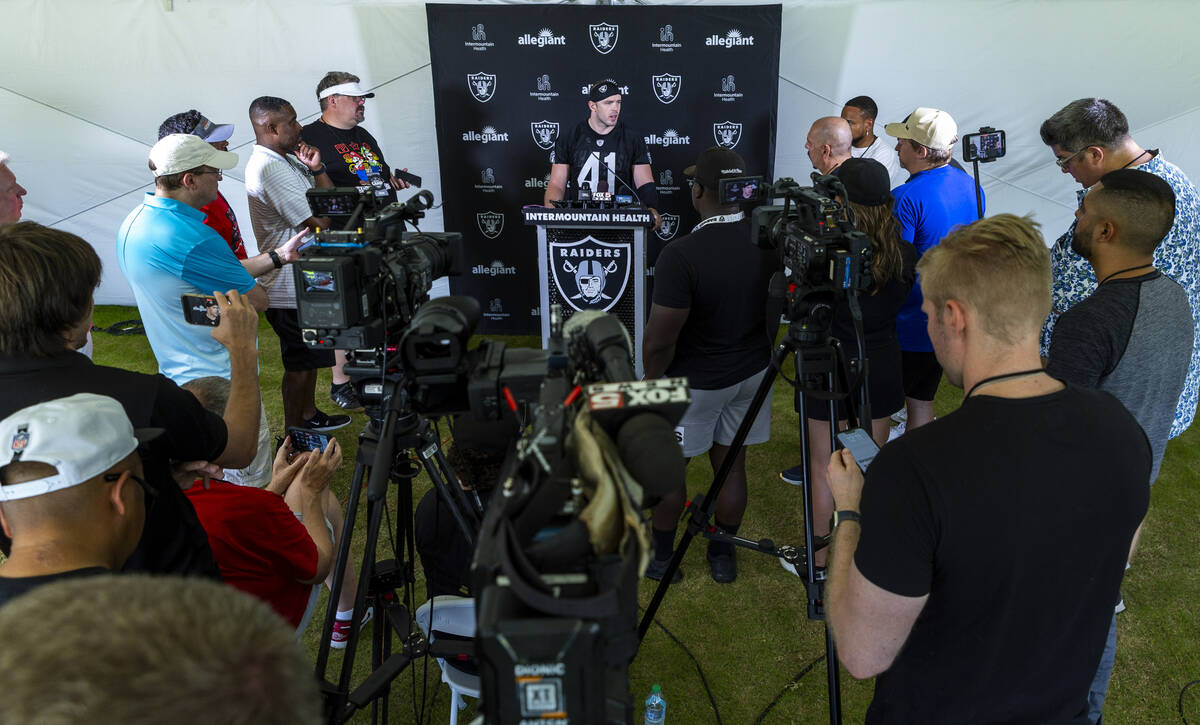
(824, 256)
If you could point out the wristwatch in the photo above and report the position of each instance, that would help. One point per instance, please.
(275, 259)
(318, 172)
(847, 515)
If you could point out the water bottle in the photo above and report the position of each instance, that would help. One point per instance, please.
(656, 707)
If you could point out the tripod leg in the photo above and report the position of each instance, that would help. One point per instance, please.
(700, 517)
(339, 567)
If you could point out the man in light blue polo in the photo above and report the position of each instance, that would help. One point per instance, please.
(166, 251)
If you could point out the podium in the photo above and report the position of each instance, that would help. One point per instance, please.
(593, 259)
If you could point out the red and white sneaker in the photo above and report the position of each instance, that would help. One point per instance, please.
(341, 629)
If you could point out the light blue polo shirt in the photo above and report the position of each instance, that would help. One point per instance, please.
(166, 251)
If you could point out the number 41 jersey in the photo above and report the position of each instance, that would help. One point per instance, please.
(593, 157)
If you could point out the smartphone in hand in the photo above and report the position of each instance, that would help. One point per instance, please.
(304, 439)
(201, 310)
(861, 446)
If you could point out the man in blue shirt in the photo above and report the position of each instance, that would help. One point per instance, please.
(934, 200)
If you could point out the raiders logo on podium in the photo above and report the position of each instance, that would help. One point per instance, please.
(591, 274)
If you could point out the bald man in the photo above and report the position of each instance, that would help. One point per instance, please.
(828, 143)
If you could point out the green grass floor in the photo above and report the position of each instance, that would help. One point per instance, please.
(752, 638)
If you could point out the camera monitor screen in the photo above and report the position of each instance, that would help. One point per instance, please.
(983, 146)
(338, 204)
(319, 280)
(742, 190)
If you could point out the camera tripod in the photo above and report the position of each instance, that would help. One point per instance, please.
(818, 361)
(399, 429)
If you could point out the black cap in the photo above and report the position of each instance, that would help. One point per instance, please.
(603, 89)
(716, 163)
(866, 181)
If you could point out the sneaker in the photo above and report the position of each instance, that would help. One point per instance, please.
(793, 475)
(341, 629)
(658, 569)
(1120, 605)
(325, 423)
(900, 416)
(897, 431)
(724, 568)
(343, 394)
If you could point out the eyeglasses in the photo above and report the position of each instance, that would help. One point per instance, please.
(218, 172)
(1062, 163)
(151, 494)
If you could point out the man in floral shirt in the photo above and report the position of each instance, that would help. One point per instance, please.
(1089, 138)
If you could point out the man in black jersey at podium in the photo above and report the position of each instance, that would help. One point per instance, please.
(602, 153)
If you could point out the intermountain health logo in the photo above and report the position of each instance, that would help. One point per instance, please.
(666, 40)
(478, 41)
(729, 91)
(544, 91)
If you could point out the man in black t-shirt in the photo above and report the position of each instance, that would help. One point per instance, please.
(709, 322)
(352, 158)
(47, 277)
(603, 153)
(976, 569)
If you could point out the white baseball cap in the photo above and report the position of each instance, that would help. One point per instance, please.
(178, 152)
(928, 127)
(82, 436)
(345, 89)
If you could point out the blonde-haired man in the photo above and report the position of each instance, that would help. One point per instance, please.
(996, 536)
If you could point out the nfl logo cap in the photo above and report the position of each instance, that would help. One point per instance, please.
(81, 436)
(178, 152)
(928, 127)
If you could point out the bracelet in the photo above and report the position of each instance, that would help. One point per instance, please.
(846, 515)
(275, 259)
(319, 171)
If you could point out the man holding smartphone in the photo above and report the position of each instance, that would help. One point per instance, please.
(996, 536)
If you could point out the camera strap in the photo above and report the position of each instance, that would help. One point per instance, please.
(520, 573)
(721, 219)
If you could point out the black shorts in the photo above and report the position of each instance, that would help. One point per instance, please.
(884, 387)
(922, 373)
(297, 357)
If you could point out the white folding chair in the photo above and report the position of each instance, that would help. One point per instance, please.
(451, 615)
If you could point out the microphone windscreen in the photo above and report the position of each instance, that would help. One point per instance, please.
(602, 186)
(652, 454)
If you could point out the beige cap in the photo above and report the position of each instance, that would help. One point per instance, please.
(182, 151)
(928, 127)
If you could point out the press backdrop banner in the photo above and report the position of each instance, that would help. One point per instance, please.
(508, 79)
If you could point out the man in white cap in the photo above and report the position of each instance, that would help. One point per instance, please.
(72, 493)
(934, 200)
(217, 214)
(10, 193)
(352, 158)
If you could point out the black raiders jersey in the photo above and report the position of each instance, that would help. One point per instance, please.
(593, 157)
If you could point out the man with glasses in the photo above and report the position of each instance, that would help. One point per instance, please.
(1089, 138)
(72, 496)
(352, 158)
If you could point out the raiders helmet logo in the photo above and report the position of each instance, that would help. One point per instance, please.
(669, 227)
(545, 133)
(666, 86)
(591, 274)
(491, 223)
(482, 86)
(727, 134)
(604, 37)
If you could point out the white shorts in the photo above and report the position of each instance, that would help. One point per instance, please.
(715, 415)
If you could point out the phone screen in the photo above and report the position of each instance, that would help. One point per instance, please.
(307, 440)
(861, 446)
(201, 310)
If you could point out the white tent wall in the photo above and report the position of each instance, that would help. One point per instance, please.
(84, 85)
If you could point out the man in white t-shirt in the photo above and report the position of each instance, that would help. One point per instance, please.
(860, 113)
(281, 170)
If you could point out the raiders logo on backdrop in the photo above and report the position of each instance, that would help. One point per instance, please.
(727, 134)
(669, 227)
(591, 274)
(482, 86)
(545, 133)
(666, 86)
(604, 37)
(491, 223)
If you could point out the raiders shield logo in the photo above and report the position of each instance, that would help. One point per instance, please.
(727, 134)
(491, 223)
(669, 227)
(482, 86)
(666, 86)
(545, 133)
(604, 37)
(590, 274)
